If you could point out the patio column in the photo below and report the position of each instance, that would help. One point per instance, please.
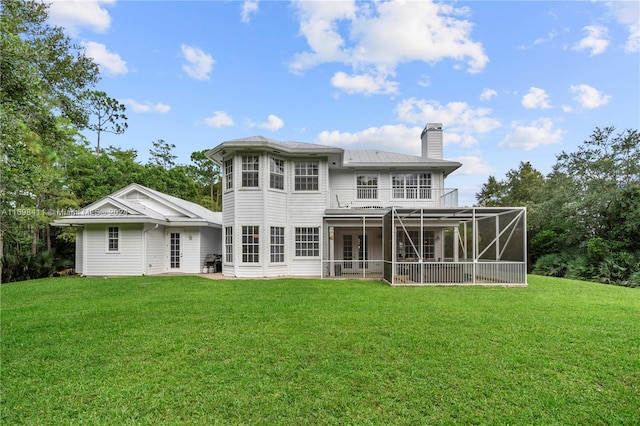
(456, 244)
(332, 271)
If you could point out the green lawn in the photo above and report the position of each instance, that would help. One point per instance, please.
(187, 350)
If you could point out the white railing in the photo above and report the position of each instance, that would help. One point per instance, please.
(380, 198)
(352, 269)
(430, 273)
(451, 273)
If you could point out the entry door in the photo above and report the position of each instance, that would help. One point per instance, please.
(175, 251)
(355, 251)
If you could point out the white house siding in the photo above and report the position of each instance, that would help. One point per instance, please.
(155, 251)
(342, 183)
(127, 261)
(210, 243)
(79, 250)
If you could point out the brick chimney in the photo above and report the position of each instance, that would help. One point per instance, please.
(432, 141)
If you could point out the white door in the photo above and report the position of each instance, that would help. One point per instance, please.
(175, 251)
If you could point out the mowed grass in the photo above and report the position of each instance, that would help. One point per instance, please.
(187, 350)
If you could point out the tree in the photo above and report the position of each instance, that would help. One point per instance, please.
(207, 175)
(521, 187)
(41, 110)
(162, 154)
(105, 114)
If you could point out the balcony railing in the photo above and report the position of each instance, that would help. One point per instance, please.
(406, 197)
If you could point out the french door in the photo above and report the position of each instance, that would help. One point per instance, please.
(175, 251)
(355, 252)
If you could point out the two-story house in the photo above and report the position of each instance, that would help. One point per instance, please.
(301, 209)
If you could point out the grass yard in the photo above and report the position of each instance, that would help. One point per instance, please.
(187, 350)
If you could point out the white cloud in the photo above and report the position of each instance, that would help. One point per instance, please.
(108, 61)
(473, 166)
(199, 64)
(365, 84)
(249, 7)
(589, 97)
(627, 13)
(461, 122)
(550, 36)
(73, 15)
(219, 119)
(273, 123)
(425, 81)
(488, 94)
(596, 41)
(536, 98)
(529, 136)
(393, 138)
(378, 36)
(158, 108)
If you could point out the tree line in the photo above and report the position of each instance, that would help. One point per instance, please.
(48, 99)
(583, 218)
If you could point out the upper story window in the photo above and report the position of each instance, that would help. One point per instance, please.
(306, 175)
(367, 186)
(411, 186)
(250, 171)
(276, 173)
(228, 174)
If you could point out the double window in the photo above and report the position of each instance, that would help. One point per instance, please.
(367, 186)
(307, 242)
(250, 171)
(306, 175)
(276, 173)
(411, 186)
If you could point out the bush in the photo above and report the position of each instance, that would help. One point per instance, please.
(551, 265)
(581, 268)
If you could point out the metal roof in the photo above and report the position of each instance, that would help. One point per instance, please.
(137, 211)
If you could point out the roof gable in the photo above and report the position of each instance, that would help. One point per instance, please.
(141, 204)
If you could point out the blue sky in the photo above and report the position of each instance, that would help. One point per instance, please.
(511, 81)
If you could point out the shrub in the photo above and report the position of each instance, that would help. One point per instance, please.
(551, 265)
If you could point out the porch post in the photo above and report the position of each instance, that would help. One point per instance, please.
(456, 247)
(332, 243)
(474, 239)
(365, 250)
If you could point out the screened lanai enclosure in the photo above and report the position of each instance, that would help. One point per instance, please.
(448, 246)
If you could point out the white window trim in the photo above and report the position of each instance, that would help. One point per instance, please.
(318, 176)
(295, 243)
(242, 172)
(106, 240)
(284, 174)
(377, 188)
(226, 178)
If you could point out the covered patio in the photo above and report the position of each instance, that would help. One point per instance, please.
(448, 246)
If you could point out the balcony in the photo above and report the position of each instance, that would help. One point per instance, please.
(341, 198)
